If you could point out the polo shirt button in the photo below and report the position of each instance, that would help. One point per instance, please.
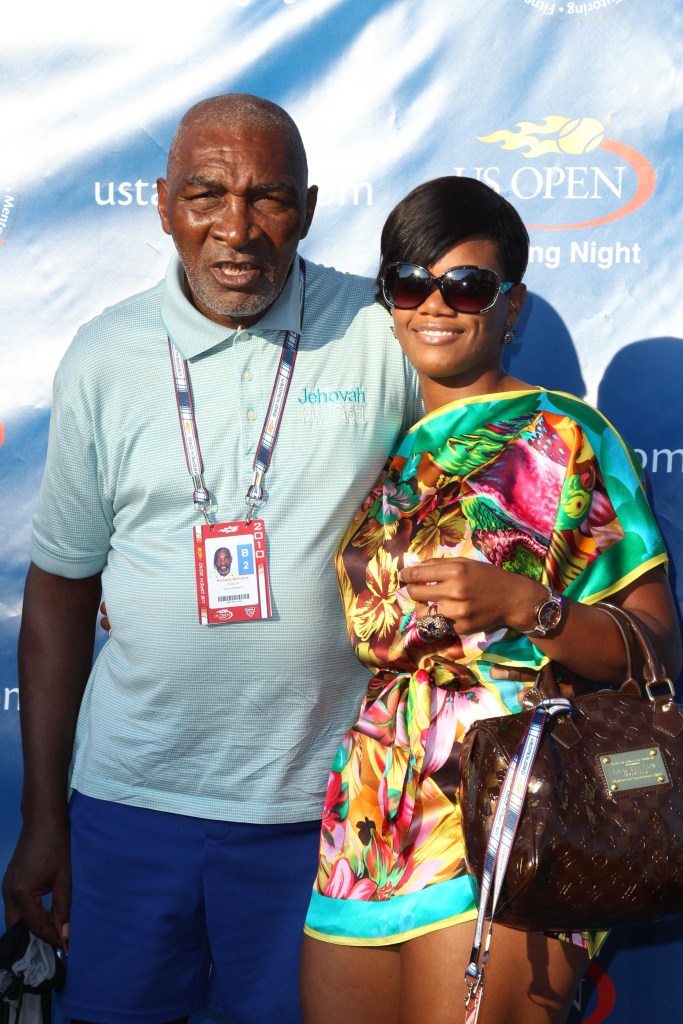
(247, 375)
(251, 415)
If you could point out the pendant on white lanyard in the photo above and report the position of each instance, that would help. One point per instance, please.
(231, 564)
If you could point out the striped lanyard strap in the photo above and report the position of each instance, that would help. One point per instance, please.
(271, 425)
(505, 822)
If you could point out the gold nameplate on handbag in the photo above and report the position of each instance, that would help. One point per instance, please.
(634, 769)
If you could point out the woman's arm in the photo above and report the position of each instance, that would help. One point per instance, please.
(479, 597)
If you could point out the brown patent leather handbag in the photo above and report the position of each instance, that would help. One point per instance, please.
(600, 841)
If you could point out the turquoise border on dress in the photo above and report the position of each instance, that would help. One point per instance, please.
(377, 921)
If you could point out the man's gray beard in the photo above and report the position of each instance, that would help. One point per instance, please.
(249, 305)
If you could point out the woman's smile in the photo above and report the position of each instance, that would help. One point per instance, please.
(432, 333)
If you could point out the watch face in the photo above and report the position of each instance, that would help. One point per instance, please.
(549, 614)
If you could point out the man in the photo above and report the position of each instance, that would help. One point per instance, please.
(222, 561)
(199, 762)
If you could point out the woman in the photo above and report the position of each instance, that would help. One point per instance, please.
(505, 515)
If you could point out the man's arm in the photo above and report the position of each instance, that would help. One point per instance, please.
(55, 657)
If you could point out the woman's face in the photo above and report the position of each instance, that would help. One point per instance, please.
(457, 355)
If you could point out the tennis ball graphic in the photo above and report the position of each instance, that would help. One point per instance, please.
(580, 135)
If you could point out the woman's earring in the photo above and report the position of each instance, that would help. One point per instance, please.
(393, 331)
(509, 336)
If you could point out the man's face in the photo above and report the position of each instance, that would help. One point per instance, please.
(236, 210)
(222, 560)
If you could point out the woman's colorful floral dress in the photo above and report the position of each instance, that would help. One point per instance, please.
(535, 482)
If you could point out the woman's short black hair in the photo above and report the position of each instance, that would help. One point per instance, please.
(440, 213)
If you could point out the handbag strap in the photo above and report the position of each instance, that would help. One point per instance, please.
(653, 670)
(503, 830)
(624, 623)
(635, 636)
(659, 688)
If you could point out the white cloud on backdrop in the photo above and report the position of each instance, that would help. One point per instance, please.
(402, 100)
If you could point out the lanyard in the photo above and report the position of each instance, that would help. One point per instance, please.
(271, 424)
(505, 821)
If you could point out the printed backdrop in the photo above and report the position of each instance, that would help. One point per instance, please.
(573, 110)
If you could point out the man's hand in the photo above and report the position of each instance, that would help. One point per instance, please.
(104, 621)
(39, 866)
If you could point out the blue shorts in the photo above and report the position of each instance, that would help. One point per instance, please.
(172, 914)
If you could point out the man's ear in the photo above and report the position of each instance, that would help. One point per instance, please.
(311, 200)
(163, 195)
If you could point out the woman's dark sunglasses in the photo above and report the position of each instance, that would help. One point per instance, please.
(464, 289)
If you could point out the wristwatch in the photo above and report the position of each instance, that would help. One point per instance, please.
(548, 614)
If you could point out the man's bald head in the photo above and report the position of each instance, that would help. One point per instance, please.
(240, 108)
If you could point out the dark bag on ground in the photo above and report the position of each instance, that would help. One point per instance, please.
(29, 970)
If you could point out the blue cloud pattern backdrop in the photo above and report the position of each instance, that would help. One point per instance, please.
(572, 110)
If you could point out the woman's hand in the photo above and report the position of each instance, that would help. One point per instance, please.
(476, 596)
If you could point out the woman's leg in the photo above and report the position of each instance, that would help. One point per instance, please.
(530, 980)
(348, 984)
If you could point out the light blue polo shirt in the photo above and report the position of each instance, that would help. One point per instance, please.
(235, 722)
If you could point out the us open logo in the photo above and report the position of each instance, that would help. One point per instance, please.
(566, 163)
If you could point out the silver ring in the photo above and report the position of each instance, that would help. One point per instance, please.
(433, 626)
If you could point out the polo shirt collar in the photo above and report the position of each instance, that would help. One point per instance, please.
(194, 333)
